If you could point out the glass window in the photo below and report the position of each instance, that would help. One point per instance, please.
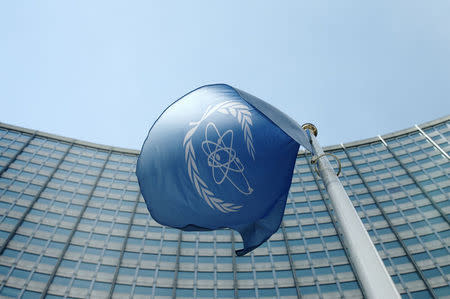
(421, 256)
(131, 255)
(102, 286)
(30, 295)
(10, 292)
(56, 245)
(122, 288)
(439, 252)
(442, 291)
(146, 272)
(329, 288)
(41, 277)
(342, 268)
(280, 258)
(74, 248)
(63, 281)
(319, 255)
(160, 291)
(186, 259)
(123, 271)
(430, 273)
(20, 273)
(246, 293)
(224, 293)
(244, 275)
(107, 269)
(88, 266)
(94, 251)
(48, 260)
(323, 271)
(205, 293)
(400, 260)
(63, 231)
(82, 284)
(30, 257)
(166, 274)
(68, 264)
(10, 253)
(308, 290)
(225, 275)
(112, 253)
(304, 272)
(350, 285)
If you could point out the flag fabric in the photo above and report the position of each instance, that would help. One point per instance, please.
(220, 158)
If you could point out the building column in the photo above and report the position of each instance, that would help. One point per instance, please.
(122, 250)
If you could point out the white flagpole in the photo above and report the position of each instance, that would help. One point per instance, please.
(372, 273)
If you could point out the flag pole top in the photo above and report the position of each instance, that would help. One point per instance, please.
(310, 126)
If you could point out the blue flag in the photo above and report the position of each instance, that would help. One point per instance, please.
(220, 158)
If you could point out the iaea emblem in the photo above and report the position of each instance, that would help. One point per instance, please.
(221, 156)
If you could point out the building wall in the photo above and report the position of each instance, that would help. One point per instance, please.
(73, 224)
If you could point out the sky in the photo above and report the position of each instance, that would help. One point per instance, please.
(103, 71)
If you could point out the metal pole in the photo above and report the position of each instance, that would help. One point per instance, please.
(374, 277)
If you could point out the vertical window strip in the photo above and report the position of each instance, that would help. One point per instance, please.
(74, 229)
(255, 281)
(141, 252)
(196, 261)
(74, 274)
(291, 262)
(394, 230)
(272, 265)
(84, 250)
(122, 250)
(215, 262)
(233, 252)
(158, 259)
(177, 267)
(307, 249)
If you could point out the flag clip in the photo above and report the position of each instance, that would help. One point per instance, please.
(314, 160)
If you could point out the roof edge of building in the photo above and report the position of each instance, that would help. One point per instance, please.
(386, 136)
(67, 139)
(136, 152)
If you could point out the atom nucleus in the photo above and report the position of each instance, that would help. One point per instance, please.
(223, 160)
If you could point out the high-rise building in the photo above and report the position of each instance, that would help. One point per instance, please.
(73, 224)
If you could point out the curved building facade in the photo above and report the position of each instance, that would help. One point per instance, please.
(73, 224)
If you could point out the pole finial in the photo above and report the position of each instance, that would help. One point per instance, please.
(311, 127)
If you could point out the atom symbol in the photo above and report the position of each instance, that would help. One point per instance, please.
(223, 160)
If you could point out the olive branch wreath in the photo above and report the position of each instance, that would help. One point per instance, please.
(243, 115)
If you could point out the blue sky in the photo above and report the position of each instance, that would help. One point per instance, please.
(103, 71)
